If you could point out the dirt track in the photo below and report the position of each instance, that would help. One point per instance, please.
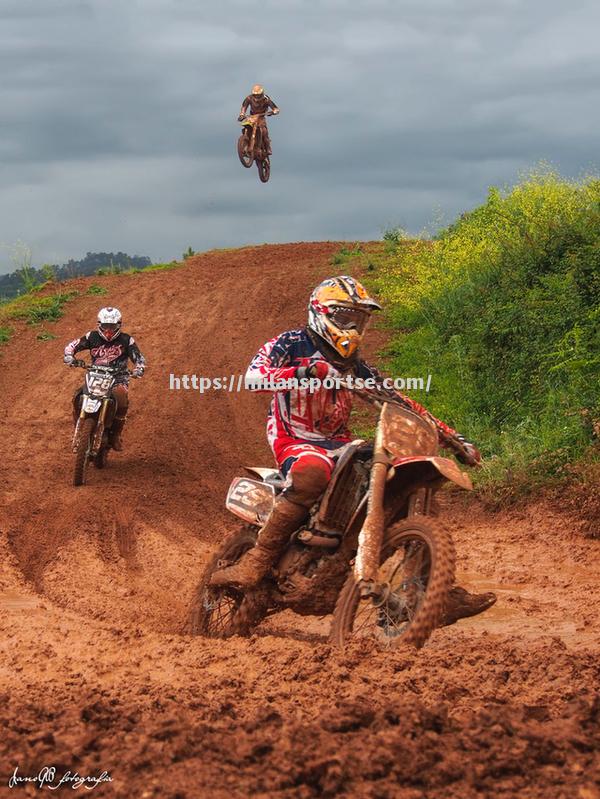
(95, 582)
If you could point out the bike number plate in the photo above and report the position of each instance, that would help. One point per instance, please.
(99, 383)
(251, 500)
(90, 405)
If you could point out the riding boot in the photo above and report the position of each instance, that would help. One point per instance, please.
(267, 144)
(116, 429)
(284, 519)
(460, 604)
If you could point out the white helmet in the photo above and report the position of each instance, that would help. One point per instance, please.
(109, 323)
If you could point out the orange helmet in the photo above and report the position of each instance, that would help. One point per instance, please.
(258, 89)
(338, 312)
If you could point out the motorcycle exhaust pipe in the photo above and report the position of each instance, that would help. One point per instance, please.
(313, 540)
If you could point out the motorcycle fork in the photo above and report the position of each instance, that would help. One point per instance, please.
(81, 416)
(100, 425)
(420, 502)
(370, 537)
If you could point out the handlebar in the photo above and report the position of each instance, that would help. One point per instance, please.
(380, 395)
(262, 114)
(109, 369)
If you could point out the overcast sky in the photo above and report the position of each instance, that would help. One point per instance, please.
(118, 118)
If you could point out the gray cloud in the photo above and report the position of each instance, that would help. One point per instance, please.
(118, 119)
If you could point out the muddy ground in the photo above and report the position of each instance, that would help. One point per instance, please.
(95, 674)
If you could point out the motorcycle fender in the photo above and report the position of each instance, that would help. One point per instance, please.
(89, 404)
(251, 500)
(446, 467)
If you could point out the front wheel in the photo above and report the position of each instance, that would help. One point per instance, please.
(82, 452)
(415, 575)
(102, 457)
(264, 169)
(244, 155)
(223, 611)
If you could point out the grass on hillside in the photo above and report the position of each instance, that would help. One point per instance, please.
(35, 309)
(503, 309)
(5, 334)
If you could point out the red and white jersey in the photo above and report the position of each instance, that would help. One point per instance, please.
(320, 417)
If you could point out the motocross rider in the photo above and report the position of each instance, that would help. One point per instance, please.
(306, 430)
(259, 103)
(109, 346)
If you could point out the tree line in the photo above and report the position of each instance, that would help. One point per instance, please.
(26, 276)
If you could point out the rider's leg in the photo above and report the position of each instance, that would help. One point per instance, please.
(121, 396)
(309, 474)
(266, 138)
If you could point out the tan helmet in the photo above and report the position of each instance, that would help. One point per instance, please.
(258, 89)
(339, 310)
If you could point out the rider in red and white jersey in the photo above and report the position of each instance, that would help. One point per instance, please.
(307, 427)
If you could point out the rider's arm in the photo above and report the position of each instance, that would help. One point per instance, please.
(75, 346)
(136, 356)
(272, 105)
(444, 431)
(271, 364)
(244, 108)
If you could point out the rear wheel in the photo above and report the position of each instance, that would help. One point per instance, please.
(242, 148)
(84, 440)
(415, 575)
(223, 611)
(264, 169)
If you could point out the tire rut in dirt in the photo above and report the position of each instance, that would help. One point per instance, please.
(429, 611)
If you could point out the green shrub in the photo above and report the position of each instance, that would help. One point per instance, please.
(111, 269)
(503, 308)
(35, 309)
(5, 334)
(393, 237)
(346, 254)
(96, 289)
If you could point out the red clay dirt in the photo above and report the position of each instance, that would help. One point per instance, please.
(95, 673)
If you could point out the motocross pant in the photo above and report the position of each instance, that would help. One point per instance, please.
(264, 130)
(307, 468)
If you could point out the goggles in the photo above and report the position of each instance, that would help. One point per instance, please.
(349, 318)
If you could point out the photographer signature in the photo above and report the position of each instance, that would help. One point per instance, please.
(48, 778)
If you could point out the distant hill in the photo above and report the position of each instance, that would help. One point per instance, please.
(12, 284)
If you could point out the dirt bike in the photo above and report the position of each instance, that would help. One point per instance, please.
(91, 440)
(371, 552)
(251, 147)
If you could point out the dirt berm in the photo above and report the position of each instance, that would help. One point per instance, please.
(95, 582)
